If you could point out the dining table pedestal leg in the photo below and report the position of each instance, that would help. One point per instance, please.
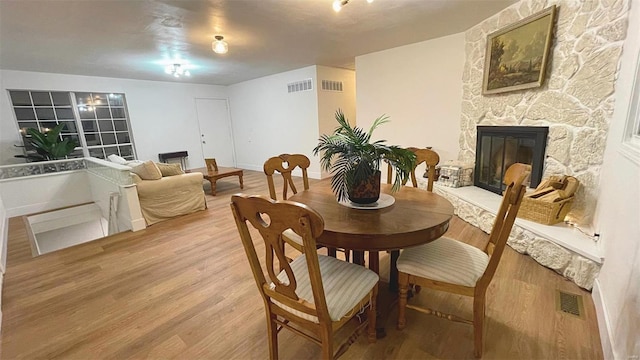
(382, 304)
(393, 271)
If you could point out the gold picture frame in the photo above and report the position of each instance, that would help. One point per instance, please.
(517, 56)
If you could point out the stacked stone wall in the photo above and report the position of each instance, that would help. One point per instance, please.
(576, 100)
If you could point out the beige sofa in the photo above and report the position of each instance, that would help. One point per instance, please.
(170, 196)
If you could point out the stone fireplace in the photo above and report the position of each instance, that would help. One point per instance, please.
(498, 147)
(575, 102)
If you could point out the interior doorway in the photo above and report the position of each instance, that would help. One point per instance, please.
(216, 136)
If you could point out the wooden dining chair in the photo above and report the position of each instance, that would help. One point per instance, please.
(427, 156)
(314, 295)
(431, 159)
(453, 266)
(285, 164)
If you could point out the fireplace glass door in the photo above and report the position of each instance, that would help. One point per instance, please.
(498, 147)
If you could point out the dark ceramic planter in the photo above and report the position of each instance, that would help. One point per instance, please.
(367, 191)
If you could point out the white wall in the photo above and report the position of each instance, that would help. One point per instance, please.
(617, 289)
(163, 116)
(419, 86)
(268, 121)
(330, 101)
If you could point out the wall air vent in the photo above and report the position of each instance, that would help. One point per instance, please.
(330, 85)
(303, 85)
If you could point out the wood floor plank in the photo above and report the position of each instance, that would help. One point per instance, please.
(181, 289)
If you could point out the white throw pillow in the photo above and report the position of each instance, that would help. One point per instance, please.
(117, 159)
(134, 162)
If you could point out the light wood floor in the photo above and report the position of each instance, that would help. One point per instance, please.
(182, 289)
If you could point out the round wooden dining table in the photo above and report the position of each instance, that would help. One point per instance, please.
(416, 217)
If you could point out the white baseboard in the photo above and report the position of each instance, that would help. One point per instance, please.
(250, 167)
(604, 327)
(138, 224)
(4, 239)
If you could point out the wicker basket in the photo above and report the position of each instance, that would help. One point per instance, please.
(544, 212)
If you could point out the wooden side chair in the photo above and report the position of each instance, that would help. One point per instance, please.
(453, 266)
(427, 156)
(314, 295)
(285, 164)
(431, 159)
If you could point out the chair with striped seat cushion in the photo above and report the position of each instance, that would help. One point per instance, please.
(314, 295)
(445, 260)
(452, 266)
(345, 285)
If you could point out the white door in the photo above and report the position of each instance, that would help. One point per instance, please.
(215, 131)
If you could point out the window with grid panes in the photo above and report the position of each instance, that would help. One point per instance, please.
(96, 121)
(105, 125)
(43, 110)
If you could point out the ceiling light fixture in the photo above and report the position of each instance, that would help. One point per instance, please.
(220, 46)
(176, 70)
(339, 4)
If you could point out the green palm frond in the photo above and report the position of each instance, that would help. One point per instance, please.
(351, 156)
(48, 145)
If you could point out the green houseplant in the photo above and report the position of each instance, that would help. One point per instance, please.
(48, 145)
(355, 161)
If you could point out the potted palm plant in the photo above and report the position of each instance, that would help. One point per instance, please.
(48, 145)
(355, 161)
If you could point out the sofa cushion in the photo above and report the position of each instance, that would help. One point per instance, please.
(169, 169)
(147, 171)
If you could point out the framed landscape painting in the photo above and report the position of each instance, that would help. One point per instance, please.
(517, 55)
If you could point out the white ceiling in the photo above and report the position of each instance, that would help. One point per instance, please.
(136, 38)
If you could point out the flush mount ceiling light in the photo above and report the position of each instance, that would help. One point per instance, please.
(176, 70)
(220, 46)
(339, 4)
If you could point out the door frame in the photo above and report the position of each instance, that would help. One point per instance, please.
(233, 143)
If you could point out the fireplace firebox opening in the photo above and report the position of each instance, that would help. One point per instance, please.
(498, 147)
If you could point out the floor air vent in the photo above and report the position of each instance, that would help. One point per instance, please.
(330, 85)
(570, 304)
(303, 85)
